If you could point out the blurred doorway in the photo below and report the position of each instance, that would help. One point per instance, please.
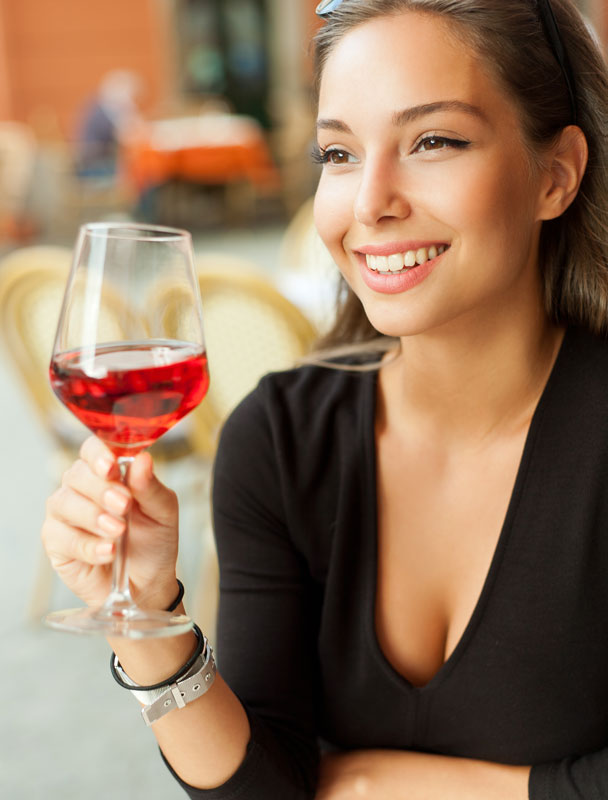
(225, 54)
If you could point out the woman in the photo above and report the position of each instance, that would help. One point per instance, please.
(412, 544)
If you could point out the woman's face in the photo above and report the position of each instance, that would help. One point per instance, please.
(427, 201)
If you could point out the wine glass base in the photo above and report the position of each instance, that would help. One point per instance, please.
(130, 623)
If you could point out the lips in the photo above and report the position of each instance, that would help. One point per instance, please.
(398, 267)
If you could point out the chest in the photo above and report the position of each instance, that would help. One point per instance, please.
(439, 519)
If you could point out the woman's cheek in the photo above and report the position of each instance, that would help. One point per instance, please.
(333, 218)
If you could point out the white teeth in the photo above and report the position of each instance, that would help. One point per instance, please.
(397, 261)
(422, 255)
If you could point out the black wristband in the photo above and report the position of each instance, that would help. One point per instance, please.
(200, 646)
(178, 599)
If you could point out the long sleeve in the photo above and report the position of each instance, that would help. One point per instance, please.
(575, 778)
(265, 647)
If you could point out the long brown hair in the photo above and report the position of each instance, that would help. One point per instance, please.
(509, 36)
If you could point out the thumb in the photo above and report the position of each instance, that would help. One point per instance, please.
(155, 500)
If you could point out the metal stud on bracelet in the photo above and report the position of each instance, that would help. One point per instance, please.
(183, 691)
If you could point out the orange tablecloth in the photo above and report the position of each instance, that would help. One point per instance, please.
(214, 148)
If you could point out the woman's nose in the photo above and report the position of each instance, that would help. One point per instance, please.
(381, 195)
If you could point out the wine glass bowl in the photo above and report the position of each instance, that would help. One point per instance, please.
(129, 374)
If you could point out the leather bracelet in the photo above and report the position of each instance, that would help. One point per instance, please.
(115, 667)
(179, 598)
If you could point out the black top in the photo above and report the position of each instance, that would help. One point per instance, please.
(295, 521)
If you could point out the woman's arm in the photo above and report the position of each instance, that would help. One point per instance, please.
(207, 740)
(258, 736)
(397, 775)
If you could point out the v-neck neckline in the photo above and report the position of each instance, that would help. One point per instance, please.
(371, 478)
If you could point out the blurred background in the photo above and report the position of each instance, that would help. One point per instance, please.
(195, 113)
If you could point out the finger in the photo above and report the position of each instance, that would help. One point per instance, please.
(75, 509)
(112, 497)
(65, 544)
(155, 500)
(100, 458)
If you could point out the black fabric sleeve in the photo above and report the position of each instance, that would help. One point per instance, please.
(266, 640)
(576, 778)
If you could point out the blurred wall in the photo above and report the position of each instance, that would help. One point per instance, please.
(54, 52)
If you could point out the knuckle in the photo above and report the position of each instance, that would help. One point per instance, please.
(84, 447)
(73, 472)
(79, 549)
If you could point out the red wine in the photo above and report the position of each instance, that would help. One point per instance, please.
(129, 395)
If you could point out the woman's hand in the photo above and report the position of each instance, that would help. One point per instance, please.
(88, 514)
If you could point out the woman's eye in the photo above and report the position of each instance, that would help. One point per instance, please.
(334, 156)
(337, 157)
(430, 143)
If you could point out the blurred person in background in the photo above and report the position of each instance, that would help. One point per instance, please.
(412, 530)
(113, 110)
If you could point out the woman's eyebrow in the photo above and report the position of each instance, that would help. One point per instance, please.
(410, 114)
(333, 125)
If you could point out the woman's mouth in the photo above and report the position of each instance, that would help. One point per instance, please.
(402, 262)
(389, 270)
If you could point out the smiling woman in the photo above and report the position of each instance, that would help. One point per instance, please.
(412, 542)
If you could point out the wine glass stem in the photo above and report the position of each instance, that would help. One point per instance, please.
(120, 594)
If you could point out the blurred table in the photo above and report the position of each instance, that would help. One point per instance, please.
(207, 149)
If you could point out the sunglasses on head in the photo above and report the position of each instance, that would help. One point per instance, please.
(552, 33)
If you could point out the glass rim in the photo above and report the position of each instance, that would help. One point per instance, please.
(149, 232)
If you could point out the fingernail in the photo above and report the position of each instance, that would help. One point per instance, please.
(116, 501)
(103, 465)
(105, 549)
(110, 524)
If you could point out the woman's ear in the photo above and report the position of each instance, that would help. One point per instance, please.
(565, 163)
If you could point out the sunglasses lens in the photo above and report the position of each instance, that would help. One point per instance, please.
(327, 6)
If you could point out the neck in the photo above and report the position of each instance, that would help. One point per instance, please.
(471, 383)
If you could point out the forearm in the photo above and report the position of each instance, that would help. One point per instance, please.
(206, 741)
(402, 775)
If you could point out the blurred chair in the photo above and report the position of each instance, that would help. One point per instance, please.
(307, 273)
(250, 329)
(32, 281)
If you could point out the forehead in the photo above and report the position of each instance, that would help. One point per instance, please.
(403, 60)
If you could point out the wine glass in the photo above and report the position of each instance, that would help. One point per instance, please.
(129, 361)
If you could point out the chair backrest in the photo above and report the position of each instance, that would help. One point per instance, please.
(307, 271)
(32, 283)
(250, 329)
